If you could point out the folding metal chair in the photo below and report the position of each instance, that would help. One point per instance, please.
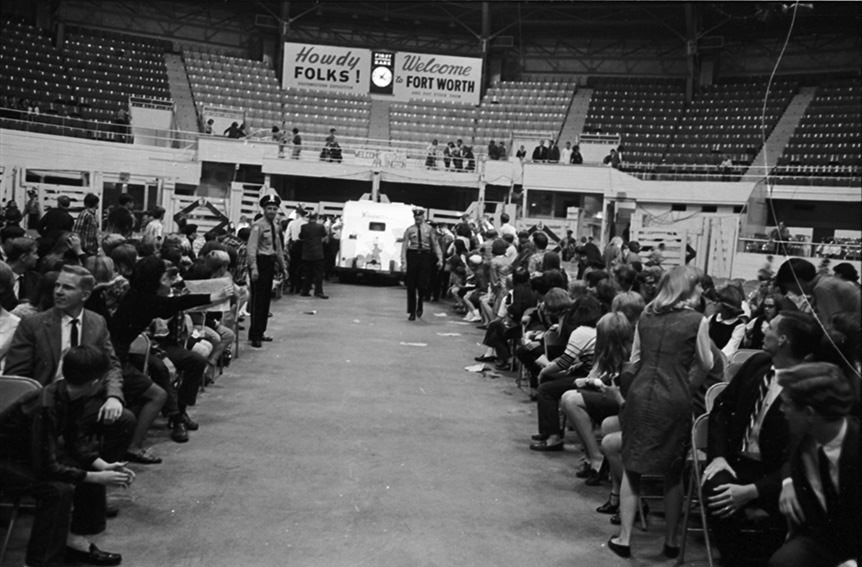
(694, 494)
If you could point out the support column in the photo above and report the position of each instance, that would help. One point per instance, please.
(691, 33)
(283, 32)
(485, 41)
(375, 185)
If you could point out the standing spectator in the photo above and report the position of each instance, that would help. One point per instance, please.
(87, 225)
(295, 144)
(154, 232)
(822, 497)
(554, 152)
(33, 209)
(521, 154)
(121, 219)
(566, 153)
(577, 158)
(57, 220)
(779, 238)
(447, 155)
(208, 129)
(294, 249)
(612, 159)
(671, 337)
(506, 227)
(540, 153)
(313, 237)
(431, 155)
(265, 260)
(492, 151)
(233, 131)
(469, 159)
(457, 155)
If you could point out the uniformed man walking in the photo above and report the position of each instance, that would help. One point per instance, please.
(419, 251)
(265, 259)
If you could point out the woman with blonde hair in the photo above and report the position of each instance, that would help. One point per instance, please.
(670, 339)
(597, 396)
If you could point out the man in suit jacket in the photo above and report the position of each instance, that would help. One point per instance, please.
(38, 347)
(748, 440)
(822, 496)
(312, 235)
(40, 341)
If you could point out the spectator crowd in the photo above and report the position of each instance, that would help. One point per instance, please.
(122, 322)
(619, 350)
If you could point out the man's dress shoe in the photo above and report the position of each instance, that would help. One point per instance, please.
(94, 556)
(256, 343)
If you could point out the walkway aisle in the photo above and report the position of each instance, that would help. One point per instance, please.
(338, 445)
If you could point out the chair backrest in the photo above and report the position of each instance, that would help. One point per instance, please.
(13, 387)
(700, 436)
(737, 360)
(712, 394)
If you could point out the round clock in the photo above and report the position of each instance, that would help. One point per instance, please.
(381, 76)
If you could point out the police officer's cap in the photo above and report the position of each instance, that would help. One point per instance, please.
(418, 212)
(267, 200)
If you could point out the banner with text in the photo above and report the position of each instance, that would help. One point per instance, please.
(326, 67)
(443, 78)
(401, 75)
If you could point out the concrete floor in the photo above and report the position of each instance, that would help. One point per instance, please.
(340, 445)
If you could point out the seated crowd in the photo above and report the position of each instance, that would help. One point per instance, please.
(118, 328)
(622, 351)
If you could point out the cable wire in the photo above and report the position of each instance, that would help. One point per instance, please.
(769, 189)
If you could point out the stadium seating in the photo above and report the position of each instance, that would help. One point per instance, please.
(728, 119)
(38, 68)
(235, 82)
(523, 106)
(105, 69)
(316, 112)
(828, 140)
(423, 121)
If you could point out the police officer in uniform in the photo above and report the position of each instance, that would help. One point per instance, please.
(419, 251)
(265, 259)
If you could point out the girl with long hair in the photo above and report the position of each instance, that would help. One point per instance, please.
(597, 395)
(670, 339)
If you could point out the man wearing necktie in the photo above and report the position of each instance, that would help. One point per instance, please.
(419, 250)
(749, 442)
(822, 495)
(265, 260)
(38, 347)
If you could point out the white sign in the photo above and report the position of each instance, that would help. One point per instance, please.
(326, 67)
(437, 77)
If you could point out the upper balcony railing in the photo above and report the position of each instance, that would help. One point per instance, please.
(405, 154)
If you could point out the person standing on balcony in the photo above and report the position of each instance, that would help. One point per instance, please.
(566, 153)
(540, 153)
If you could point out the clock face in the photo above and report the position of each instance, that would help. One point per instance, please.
(381, 76)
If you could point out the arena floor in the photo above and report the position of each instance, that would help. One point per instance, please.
(358, 439)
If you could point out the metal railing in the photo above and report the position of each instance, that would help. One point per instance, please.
(408, 155)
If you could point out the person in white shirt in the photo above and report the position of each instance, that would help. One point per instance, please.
(566, 153)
